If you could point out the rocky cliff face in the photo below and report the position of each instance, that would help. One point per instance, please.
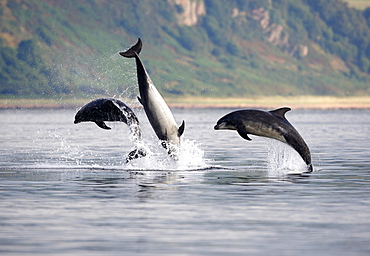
(188, 11)
(277, 35)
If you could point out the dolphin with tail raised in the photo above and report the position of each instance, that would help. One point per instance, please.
(105, 109)
(270, 124)
(156, 109)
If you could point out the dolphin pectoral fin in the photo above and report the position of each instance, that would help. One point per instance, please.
(242, 132)
(244, 135)
(310, 168)
(139, 99)
(102, 125)
(181, 129)
(135, 49)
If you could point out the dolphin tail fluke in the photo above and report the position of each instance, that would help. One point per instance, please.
(135, 154)
(134, 50)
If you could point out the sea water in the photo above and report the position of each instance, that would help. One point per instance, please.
(65, 188)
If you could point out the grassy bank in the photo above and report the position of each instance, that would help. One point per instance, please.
(307, 102)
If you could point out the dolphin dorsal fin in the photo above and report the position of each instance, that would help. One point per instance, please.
(181, 129)
(280, 112)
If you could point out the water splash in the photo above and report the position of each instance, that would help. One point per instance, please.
(283, 160)
(190, 157)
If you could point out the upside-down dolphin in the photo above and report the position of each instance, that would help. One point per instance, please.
(270, 124)
(101, 110)
(156, 109)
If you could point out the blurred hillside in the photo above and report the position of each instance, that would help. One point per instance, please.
(359, 4)
(220, 48)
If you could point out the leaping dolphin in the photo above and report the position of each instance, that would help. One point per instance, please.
(270, 124)
(156, 109)
(101, 110)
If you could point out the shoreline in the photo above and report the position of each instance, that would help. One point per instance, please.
(264, 102)
(272, 102)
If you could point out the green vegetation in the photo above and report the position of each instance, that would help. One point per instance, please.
(24, 66)
(235, 48)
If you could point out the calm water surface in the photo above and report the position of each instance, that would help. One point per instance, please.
(64, 189)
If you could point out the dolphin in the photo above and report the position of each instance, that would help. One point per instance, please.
(105, 109)
(156, 109)
(270, 124)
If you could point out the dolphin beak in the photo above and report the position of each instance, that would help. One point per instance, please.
(224, 125)
(76, 121)
(219, 126)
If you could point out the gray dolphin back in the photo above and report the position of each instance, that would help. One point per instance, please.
(271, 124)
(105, 109)
(156, 109)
